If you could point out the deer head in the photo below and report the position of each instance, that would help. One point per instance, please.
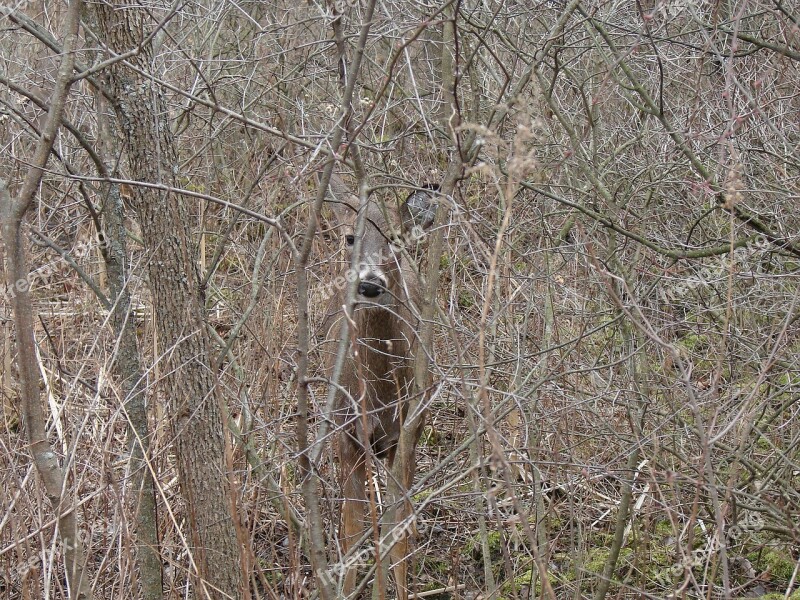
(385, 232)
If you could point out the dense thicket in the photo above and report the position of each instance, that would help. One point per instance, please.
(614, 350)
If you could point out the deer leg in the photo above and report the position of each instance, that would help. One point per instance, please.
(353, 474)
(400, 568)
(399, 554)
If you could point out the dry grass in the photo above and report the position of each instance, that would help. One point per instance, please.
(627, 364)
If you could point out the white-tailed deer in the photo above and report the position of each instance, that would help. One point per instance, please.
(378, 374)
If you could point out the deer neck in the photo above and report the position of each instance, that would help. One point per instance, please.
(377, 323)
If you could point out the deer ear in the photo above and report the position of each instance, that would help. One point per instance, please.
(419, 209)
(341, 200)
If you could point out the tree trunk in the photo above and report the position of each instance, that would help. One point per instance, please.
(44, 457)
(190, 383)
(17, 273)
(129, 369)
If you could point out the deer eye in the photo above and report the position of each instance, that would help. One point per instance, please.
(350, 239)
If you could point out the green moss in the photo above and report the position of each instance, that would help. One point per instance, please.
(509, 587)
(274, 576)
(442, 567)
(439, 567)
(474, 545)
(786, 379)
(660, 549)
(778, 562)
(495, 539)
(465, 299)
(554, 521)
(562, 568)
(423, 495)
(599, 555)
(601, 539)
(763, 443)
(660, 556)
(693, 342)
(434, 585)
(597, 559)
(664, 529)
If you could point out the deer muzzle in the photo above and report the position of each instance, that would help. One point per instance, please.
(371, 287)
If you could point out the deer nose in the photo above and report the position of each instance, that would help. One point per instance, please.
(371, 288)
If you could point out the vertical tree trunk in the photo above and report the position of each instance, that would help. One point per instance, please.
(189, 385)
(129, 369)
(44, 457)
(17, 272)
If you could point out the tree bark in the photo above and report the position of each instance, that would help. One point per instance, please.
(34, 418)
(17, 272)
(129, 369)
(190, 384)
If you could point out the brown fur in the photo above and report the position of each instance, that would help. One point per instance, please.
(377, 373)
